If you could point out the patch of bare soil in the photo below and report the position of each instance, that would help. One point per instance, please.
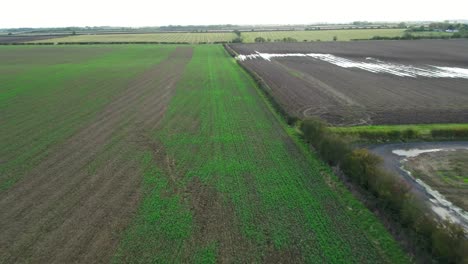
(73, 206)
(215, 220)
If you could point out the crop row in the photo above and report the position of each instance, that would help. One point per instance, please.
(263, 196)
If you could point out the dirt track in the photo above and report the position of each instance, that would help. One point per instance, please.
(74, 204)
(350, 96)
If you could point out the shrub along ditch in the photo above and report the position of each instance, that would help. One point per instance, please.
(405, 135)
(455, 133)
(443, 239)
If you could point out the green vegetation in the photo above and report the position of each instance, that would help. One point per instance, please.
(236, 184)
(48, 93)
(323, 35)
(431, 34)
(405, 132)
(444, 240)
(150, 37)
(235, 36)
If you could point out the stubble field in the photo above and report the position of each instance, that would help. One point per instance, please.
(162, 154)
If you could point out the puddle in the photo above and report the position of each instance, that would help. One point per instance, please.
(370, 64)
(414, 152)
(410, 153)
(440, 205)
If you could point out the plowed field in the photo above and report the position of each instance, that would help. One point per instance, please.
(373, 82)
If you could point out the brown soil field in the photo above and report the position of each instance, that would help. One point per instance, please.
(25, 38)
(68, 209)
(307, 86)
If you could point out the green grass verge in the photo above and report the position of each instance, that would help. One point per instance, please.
(422, 129)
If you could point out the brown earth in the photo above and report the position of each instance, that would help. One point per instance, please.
(73, 206)
(25, 38)
(348, 96)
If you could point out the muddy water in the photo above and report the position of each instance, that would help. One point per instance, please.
(370, 64)
(395, 155)
(414, 152)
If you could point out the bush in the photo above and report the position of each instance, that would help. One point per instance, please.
(450, 133)
(237, 40)
(444, 240)
(390, 135)
(359, 165)
(259, 39)
(449, 243)
(289, 39)
(410, 134)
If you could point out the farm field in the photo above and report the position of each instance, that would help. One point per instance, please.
(24, 38)
(322, 35)
(73, 119)
(248, 37)
(178, 37)
(366, 83)
(162, 153)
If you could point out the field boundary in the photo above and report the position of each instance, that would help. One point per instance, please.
(290, 119)
(404, 133)
(402, 211)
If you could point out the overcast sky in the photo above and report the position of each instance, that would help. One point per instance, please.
(61, 13)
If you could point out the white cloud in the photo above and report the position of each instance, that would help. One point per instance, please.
(50, 13)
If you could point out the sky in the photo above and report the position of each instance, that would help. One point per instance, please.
(138, 13)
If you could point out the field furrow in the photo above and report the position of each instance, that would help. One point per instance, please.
(164, 154)
(71, 206)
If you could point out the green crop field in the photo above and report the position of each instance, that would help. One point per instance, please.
(263, 195)
(47, 93)
(163, 154)
(156, 37)
(322, 35)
